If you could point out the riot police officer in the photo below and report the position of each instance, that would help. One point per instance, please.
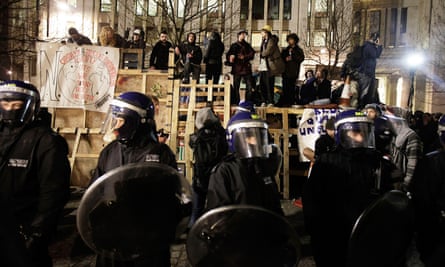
(428, 192)
(342, 183)
(35, 177)
(130, 125)
(247, 176)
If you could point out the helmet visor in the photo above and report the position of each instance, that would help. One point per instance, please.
(356, 134)
(250, 141)
(17, 105)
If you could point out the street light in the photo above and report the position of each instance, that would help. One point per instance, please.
(10, 74)
(413, 61)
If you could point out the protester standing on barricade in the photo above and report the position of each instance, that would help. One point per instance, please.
(371, 50)
(293, 56)
(213, 58)
(271, 64)
(191, 55)
(160, 53)
(35, 177)
(239, 56)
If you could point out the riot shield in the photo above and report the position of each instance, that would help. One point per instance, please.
(132, 211)
(275, 159)
(242, 235)
(383, 232)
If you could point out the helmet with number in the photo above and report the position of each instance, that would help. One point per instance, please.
(19, 103)
(249, 138)
(354, 130)
(129, 112)
(441, 129)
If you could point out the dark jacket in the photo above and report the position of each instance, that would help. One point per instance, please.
(116, 154)
(241, 66)
(159, 55)
(370, 54)
(186, 48)
(323, 88)
(428, 195)
(82, 40)
(35, 177)
(241, 181)
(292, 67)
(214, 52)
(341, 185)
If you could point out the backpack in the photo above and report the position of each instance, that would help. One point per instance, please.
(209, 146)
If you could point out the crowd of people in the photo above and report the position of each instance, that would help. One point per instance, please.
(366, 153)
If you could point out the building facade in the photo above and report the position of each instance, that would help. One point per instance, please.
(328, 29)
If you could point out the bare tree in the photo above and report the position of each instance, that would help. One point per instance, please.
(337, 35)
(182, 16)
(18, 34)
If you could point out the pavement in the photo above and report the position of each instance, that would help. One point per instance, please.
(69, 250)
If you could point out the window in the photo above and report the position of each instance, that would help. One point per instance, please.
(403, 20)
(244, 9)
(273, 9)
(139, 7)
(374, 21)
(258, 10)
(105, 5)
(319, 38)
(152, 8)
(181, 10)
(321, 6)
(287, 9)
(392, 26)
(72, 3)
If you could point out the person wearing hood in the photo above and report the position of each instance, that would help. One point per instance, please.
(191, 55)
(213, 58)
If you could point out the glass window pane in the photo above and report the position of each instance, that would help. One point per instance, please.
(105, 5)
(258, 10)
(152, 8)
(181, 11)
(273, 9)
(139, 8)
(403, 20)
(321, 6)
(319, 38)
(287, 9)
(244, 9)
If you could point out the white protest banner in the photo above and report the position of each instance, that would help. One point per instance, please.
(312, 125)
(77, 76)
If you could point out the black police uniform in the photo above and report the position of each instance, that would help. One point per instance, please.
(243, 181)
(34, 184)
(142, 148)
(428, 192)
(341, 185)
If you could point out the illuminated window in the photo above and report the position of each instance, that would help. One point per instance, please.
(139, 7)
(105, 5)
(152, 8)
(181, 10)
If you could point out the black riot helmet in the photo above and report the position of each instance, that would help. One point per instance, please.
(19, 103)
(127, 113)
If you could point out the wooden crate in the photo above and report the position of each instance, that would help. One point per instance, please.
(187, 100)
